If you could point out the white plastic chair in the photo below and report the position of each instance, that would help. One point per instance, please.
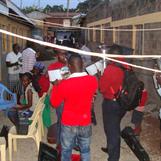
(3, 148)
(41, 100)
(34, 132)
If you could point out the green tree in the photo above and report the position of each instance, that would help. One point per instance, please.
(27, 10)
(58, 8)
(47, 9)
(85, 6)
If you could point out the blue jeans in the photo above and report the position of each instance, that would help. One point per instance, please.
(59, 111)
(112, 115)
(69, 135)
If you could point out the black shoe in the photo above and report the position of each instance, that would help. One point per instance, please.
(104, 150)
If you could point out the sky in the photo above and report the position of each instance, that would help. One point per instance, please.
(43, 3)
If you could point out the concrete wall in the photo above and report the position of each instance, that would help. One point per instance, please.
(131, 14)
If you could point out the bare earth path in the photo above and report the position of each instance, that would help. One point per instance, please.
(150, 139)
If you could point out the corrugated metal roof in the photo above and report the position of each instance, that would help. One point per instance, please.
(4, 9)
(37, 15)
(18, 11)
(62, 14)
(8, 8)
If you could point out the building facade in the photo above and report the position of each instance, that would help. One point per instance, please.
(135, 24)
(12, 20)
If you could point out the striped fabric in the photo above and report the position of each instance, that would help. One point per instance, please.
(28, 60)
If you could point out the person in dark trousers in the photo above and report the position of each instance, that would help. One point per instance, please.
(76, 92)
(109, 84)
(30, 99)
(59, 64)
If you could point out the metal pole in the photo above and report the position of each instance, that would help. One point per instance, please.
(39, 4)
(68, 2)
(143, 38)
(104, 60)
(21, 4)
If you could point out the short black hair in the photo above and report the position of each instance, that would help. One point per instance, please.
(74, 57)
(29, 44)
(28, 75)
(115, 49)
(14, 45)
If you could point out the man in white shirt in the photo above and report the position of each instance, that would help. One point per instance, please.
(28, 58)
(86, 58)
(14, 62)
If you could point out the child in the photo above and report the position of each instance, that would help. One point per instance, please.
(137, 115)
(31, 97)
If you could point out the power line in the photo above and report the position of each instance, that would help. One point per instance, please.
(104, 56)
(83, 28)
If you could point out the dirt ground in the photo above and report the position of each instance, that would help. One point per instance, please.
(150, 139)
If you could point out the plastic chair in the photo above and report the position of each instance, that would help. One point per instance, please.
(5, 104)
(41, 101)
(3, 148)
(34, 132)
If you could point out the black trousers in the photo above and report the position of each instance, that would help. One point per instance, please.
(112, 115)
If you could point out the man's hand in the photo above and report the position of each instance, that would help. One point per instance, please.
(56, 82)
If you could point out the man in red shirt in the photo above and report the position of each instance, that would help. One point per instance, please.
(77, 93)
(62, 61)
(110, 83)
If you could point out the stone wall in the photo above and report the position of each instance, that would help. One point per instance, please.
(148, 42)
(103, 10)
(131, 8)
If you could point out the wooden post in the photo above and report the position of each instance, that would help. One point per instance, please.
(134, 38)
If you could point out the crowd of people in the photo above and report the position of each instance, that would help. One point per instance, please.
(72, 98)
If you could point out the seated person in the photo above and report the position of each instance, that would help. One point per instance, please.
(31, 98)
(40, 81)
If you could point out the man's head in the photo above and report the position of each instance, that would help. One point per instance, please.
(16, 48)
(75, 63)
(81, 43)
(29, 44)
(115, 49)
(61, 55)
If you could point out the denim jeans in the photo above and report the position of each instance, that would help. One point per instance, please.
(59, 111)
(71, 134)
(112, 115)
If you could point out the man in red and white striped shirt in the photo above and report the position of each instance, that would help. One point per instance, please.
(77, 93)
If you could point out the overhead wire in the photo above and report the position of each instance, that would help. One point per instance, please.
(86, 28)
(104, 56)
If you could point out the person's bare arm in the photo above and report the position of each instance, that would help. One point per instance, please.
(11, 64)
(29, 102)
